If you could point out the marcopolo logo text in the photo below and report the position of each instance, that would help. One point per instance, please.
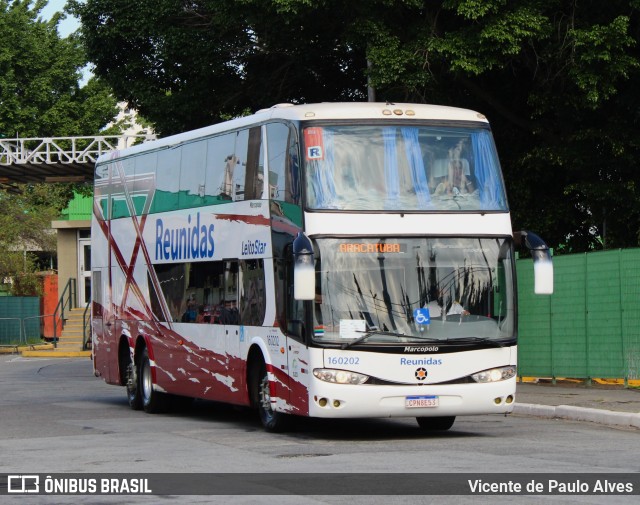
(428, 348)
(193, 241)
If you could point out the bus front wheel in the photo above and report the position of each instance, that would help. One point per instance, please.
(435, 423)
(271, 420)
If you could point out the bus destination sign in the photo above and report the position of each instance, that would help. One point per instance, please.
(372, 248)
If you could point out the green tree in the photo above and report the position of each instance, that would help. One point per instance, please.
(40, 95)
(183, 65)
(557, 79)
(25, 225)
(40, 74)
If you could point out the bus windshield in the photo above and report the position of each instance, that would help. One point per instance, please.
(402, 168)
(399, 290)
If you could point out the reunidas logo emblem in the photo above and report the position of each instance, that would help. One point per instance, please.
(421, 374)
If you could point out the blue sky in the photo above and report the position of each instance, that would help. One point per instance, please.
(66, 26)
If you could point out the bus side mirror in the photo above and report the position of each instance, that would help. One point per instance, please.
(542, 264)
(304, 275)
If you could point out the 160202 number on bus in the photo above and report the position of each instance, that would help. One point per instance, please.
(343, 360)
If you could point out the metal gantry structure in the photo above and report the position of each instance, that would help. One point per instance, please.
(58, 159)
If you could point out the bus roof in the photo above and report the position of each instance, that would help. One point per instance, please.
(316, 111)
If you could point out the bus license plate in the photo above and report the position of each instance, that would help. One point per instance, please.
(419, 402)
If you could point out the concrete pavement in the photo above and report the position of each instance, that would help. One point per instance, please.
(608, 404)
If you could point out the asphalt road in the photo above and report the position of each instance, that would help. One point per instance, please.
(55, 417)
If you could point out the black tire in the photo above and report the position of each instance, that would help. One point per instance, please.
(435, 423)
(152, 401)
(272, 421)
(132, 384)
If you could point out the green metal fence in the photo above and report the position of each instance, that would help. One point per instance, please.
(590, 327)
(20, 321)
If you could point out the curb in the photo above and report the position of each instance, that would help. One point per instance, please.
(567, 380)
(56, 354)
(599, 416)
(19, 348)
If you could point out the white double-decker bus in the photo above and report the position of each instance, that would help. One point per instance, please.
(324, 260)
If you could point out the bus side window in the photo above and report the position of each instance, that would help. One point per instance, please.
(252, 297)
(167, 181)
(254, 177)
(284, 172)
(123, 171)
(236, 167)
(229, 313)
(172, 282)
(143, 187)
(219, 168)
(192, 174)
(283, 163)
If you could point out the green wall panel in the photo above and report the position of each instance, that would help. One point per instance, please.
(590, 326)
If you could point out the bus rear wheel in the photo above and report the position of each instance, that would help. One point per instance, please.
(271, 420)
(152, 400)
(132, 385)
(435, 423)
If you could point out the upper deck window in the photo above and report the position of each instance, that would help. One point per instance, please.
(402, 168)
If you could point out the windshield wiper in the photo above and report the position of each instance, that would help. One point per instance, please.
(369, 333)
(425, 339)
(473, 340)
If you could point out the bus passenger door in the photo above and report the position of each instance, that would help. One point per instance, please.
(298, 353)
(299, 370)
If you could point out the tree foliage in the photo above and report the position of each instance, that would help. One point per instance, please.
(25, 226)
(186, 64)
(557, 79)
(40, 74)
(40, 96)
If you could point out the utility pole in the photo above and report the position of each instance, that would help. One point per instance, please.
(371, 92)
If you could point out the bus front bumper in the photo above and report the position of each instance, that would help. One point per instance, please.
(347, 401)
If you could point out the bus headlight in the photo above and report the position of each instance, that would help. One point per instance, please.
(339, 376)
(495, 374)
